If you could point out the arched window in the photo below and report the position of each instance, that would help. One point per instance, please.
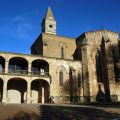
(98, 68)
(61, 78)
(79, 80)
(62, 52)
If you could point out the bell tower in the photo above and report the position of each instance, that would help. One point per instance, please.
(49, 23)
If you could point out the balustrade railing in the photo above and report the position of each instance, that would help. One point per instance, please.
(39, 73)
(13, 71)
(25, 72)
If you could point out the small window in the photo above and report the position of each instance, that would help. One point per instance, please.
(79, 80)
(62, 52)
(98, 68)
(61, 78)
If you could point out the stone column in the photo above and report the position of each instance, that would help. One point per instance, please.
(29, 68)
(6, 66)
(28, 92)
(43, 95)
(39, 93)
(4, 100)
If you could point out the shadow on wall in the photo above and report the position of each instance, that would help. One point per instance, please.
(53, 112)
(107, 60)
(73, 89)
(114, 56)
(100, 95)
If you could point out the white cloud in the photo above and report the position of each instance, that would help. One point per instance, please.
(17, 27)
(18, 19)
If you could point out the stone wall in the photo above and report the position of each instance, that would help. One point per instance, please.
(92, 43)
(55, 65)
(50, 46)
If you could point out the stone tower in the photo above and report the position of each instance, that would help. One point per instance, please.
(49, 23)
(50, 44)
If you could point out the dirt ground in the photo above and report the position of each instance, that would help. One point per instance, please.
(59, 112)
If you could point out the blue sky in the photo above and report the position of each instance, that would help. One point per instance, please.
(20, 20)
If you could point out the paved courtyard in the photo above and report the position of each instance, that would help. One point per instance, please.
(58, 112)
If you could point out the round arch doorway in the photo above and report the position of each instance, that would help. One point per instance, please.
(40, 91)
(17, 90)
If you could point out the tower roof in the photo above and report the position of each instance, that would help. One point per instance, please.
(49, 14)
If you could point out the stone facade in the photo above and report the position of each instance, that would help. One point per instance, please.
(51, 46)
(99, 56)
(85, 69)
(30, 75)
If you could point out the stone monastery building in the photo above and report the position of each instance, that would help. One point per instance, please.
(85, 69)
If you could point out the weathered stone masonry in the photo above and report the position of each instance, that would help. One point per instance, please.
(84, 69)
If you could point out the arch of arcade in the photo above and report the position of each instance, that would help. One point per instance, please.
(29, 78)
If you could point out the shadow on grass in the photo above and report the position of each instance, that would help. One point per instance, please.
(53, 112)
